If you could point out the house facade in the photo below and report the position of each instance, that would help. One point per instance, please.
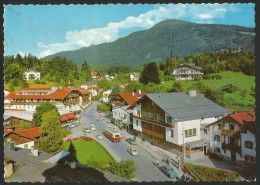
(32, 74)
(96, 76)
(25, 138)
(187, 72)
(92, 86)
(65, 98)
(233, 137)
(134, 76)
(126, 98)
(106, 94)
(123, 117)
(174, 119)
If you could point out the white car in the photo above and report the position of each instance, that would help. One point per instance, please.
(72, 125)
(92, 127)
(133, 151)
(99, 136)
(87, 130)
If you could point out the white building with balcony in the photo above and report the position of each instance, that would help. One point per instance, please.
(187, 72)
(175, 119)
(233, 137)
(32, 74)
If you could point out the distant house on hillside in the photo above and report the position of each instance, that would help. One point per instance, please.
(96, 76)
(187, 72)
(32, 74)
(106, 95)
(92, 86)
(134, 76)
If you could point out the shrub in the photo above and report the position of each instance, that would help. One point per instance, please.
(206, 77)
(24, 125)
(124, 168)
(103, 107)
(229, 88)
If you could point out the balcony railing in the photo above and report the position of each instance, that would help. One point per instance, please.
(154, 121)
(153, 133)
(230, 133)
(231, 146)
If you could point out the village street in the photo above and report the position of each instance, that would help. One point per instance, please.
(146, 169)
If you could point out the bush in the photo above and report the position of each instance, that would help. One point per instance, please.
(103, 107)
(24, 125)
(206, 77)
(124, 168)
(229, 88)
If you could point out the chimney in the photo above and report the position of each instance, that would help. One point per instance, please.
(139, 91)
(192, 93)
(133, 93)
(60, 87)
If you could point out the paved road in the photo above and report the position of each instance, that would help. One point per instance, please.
(146, 170)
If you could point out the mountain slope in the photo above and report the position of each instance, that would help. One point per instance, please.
(165, 39)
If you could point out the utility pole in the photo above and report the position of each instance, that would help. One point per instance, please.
(183, 147)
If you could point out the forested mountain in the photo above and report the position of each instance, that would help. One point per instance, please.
(167, 38)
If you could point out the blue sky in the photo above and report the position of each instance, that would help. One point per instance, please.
(46, 29)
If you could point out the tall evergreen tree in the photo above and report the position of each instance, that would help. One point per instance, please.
(150, 73)
(85, 69)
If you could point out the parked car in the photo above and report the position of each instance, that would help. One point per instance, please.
(109, 121)
(168, 170)
(131, 141)
(87, 130)
(99, 136)
(133, 151)
(92, 127)
(71, 125)
(76, 124)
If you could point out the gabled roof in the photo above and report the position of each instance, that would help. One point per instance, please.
(191, 66)
(60, 93)
(131, 98)
(243, 117)
(30, 132)
(181, 106)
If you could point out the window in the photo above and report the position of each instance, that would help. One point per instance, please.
(249, 158)
(190, 132)
(243, 129)
(217, 138)
(249, 144)
(217, 150)
(219, 126)
(231, 127)
(169, 120)
(136, 122)
(172, 133)
(138, 113)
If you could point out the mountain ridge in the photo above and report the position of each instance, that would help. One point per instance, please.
(167, 38)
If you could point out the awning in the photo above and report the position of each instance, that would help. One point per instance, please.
(195, 144)
(66, 117)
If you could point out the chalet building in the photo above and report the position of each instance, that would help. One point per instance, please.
(65, 98)
(187, 72)
(96, 76)
(25, 138)
(172, 119)
(126, 98)
(233, 137)
(12, 122)
(92, 86)
(32, 74)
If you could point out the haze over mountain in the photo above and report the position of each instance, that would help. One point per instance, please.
(165, 39)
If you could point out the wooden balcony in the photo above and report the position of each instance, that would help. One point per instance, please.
(232, 147)
(230, 133)
(153, 133)
(158, 122)
(71, 101)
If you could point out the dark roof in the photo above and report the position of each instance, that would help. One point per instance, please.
(181, 106)
(191, 66)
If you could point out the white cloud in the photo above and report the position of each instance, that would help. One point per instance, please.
(205, 13)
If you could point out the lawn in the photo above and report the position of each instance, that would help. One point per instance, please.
(203, 173)
(233, 101)
(89, 151)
